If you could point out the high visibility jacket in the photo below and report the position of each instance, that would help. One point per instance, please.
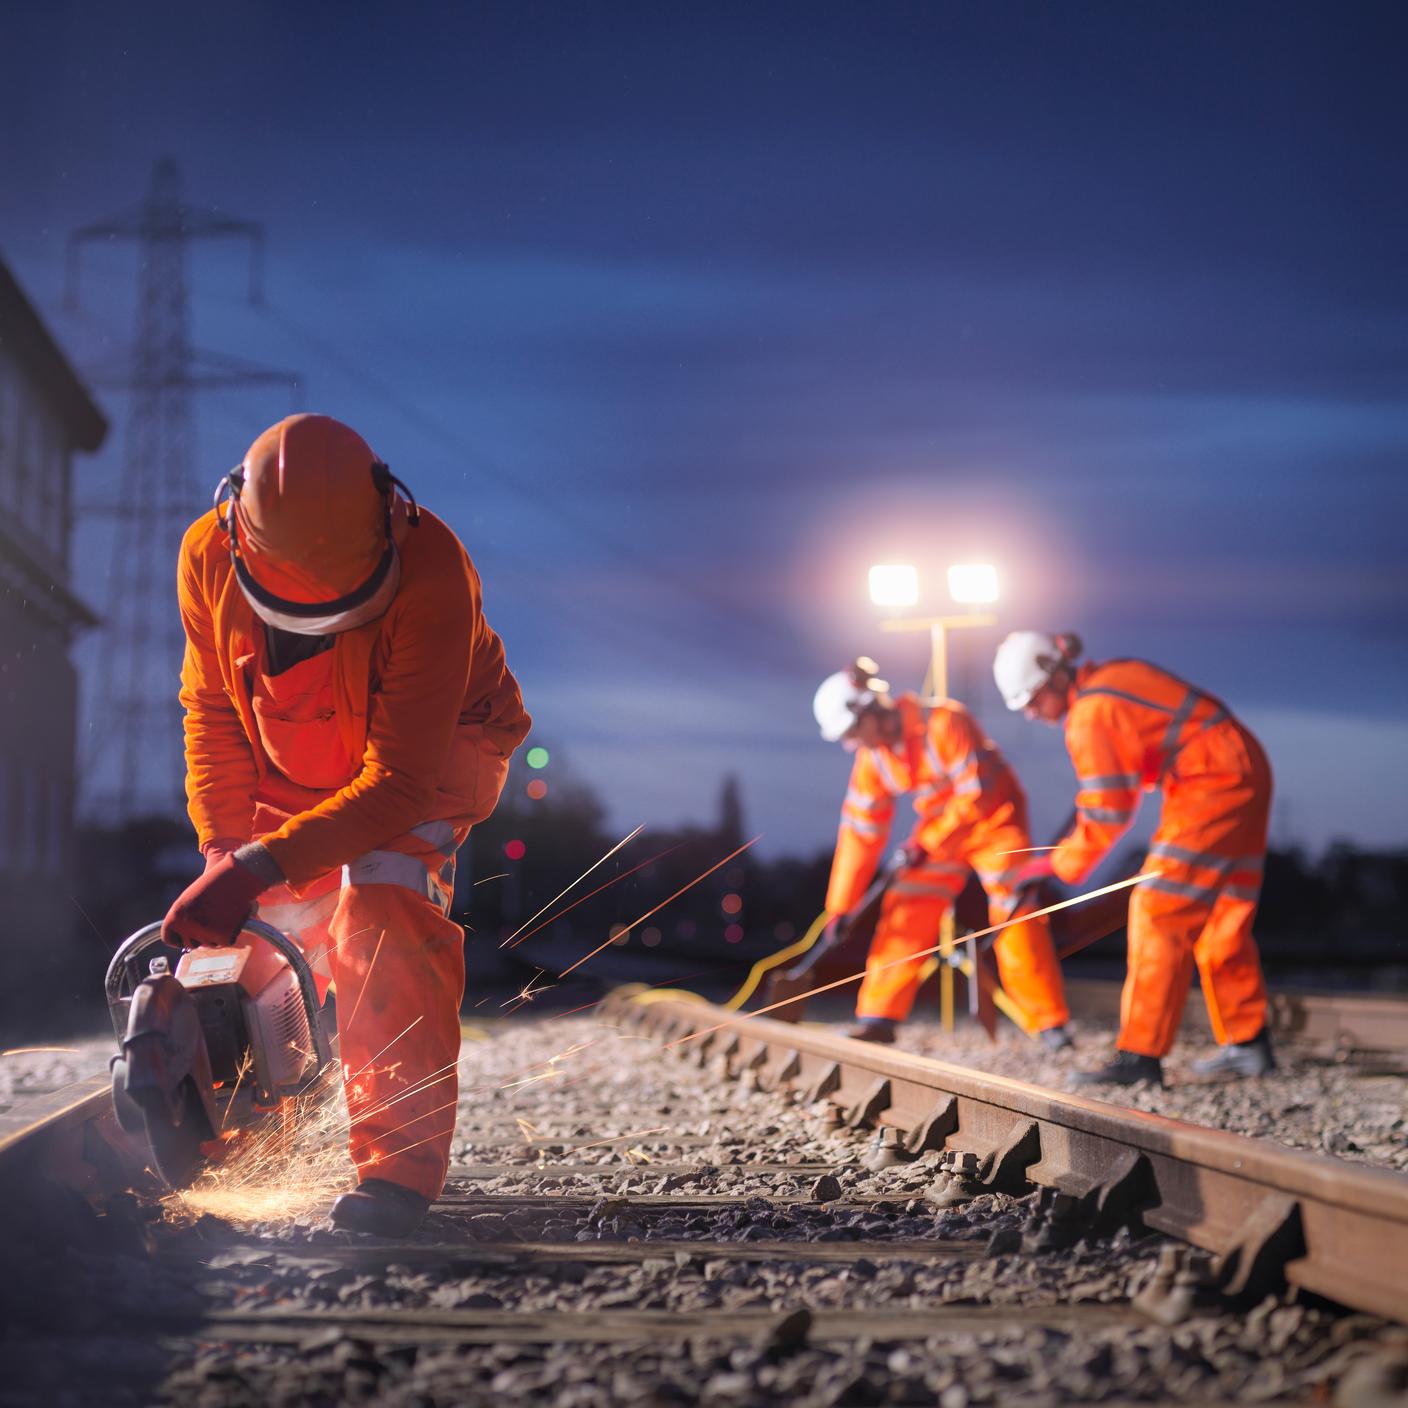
(1127, 726)
(962, 788)
(418, 694)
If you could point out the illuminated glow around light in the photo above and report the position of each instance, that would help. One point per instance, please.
(894, 584)
(536, 757)
(515, 850)
(733, 934)
(650, 937)
(537, 789)
(973, 583)
(731, 904)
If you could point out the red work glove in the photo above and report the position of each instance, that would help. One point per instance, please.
(913, 853)
(1034, 869)
(216, 851)
(213, 909)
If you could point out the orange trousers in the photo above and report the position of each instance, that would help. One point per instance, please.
(1205, 864)
(377, 932)
(910, 915)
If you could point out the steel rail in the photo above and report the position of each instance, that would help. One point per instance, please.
(1333, 1022)
(1271, 1215)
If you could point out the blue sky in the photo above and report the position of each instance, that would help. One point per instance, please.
(684, 316)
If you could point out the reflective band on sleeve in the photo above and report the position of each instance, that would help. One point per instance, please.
(886, 770)
(1111, 816)
(1206, 860)
(1207, 893)
(1249, 893)
(1111, 782)
(866, 829)
(439, 834)
(972, 788)
(932, 754)
(862, 803)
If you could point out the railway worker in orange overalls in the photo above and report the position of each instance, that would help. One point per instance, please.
(971, 814)
(349, 717)
(1132, 727)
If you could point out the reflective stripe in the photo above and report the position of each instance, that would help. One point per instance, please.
(932, 754)
(999, 879)
(927, 794)
(961, 765)
(938, 867)
(867, 829)
(1249, 893)
(886, 770)
(1122, 694)
(390, 868)
(1181, 888)
(972, 788)
(861, 802)
(944, 889)
(1111, 782)
(1111, 816)
(439, 834)
(1206, 860)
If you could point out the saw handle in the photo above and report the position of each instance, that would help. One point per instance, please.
(123, 967)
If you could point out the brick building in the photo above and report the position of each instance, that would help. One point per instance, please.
(46, 414)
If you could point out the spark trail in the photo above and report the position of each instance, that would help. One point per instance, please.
(623, 842)
(618, 934)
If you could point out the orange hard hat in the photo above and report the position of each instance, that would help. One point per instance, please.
(310, 522)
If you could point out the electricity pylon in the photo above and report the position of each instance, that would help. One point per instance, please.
(133, 766)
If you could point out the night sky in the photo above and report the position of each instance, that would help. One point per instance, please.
(684, 315)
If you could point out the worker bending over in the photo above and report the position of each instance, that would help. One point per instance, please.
(1131, 726)
(349, 717)
(972, 814)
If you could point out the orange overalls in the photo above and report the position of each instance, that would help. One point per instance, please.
(362, 799)
(972, 814)
(1133, 726)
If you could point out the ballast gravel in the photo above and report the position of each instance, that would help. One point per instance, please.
(576, 1140)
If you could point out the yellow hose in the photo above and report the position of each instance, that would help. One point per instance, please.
(774, 960)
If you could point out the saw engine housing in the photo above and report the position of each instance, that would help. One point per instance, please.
(213, 1046)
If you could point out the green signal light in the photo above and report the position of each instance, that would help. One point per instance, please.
(537, 758)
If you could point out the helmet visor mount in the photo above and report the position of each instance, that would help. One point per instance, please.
(365, 603)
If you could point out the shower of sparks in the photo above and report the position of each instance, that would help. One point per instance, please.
(624, 842)
(526, 1128)
(620, 933)
(40, 1050)
(502, 875)
(615, 880)
(289, 1166)
(909, 958)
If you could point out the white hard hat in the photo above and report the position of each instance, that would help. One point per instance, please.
(1024, 662)
(841, 697)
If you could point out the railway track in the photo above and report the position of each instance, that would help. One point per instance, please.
(643, 1208)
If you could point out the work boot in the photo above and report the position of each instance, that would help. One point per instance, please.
(1056, 1038)
(879, 1029)
(380, 1209)
(1240, 1058)
(1127, 1068)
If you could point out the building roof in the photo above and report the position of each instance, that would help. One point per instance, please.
(22, 330)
